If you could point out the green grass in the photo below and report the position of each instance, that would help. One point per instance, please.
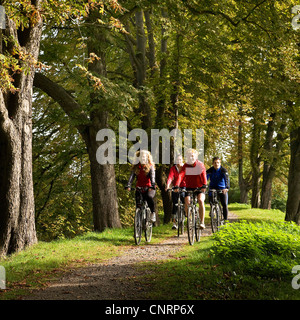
(244, 211)
(35, 266)
(197, 272)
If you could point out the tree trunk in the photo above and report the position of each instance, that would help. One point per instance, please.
(139, 66)
(17, 221)
(244, 184)
(293, 201)
(269, 170)
(255, 161)
(104, 192)
(271, 159)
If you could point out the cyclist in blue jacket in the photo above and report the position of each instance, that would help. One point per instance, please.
(219, 180)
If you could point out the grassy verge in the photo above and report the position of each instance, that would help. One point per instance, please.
(37, 265)
(223, 269)
(196, 272)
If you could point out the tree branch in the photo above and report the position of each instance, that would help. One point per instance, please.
(65, 100)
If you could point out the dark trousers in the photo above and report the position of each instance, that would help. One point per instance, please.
(224, 201)
(148, 196)
(175, 196)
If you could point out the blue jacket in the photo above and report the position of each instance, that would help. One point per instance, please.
(219, 179)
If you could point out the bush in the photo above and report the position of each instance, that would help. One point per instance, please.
(268, 249)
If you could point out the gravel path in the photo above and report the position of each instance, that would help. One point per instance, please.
(114, 279)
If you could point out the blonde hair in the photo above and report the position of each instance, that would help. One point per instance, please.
(148, 165)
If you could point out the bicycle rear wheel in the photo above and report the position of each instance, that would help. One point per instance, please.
(148, 226)
(191, 225)
(138, 226)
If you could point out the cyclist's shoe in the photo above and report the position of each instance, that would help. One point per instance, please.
(174, 226)
(202, 226)
(153, 217)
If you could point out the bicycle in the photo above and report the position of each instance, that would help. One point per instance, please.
(216, 213)
(193, 218)
(142, 218)
(180, 211)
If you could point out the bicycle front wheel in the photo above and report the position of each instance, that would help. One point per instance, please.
(191, 225)
(220, 215)
(148, 226)
(180, 220)
(197, 227)
(138, 226)
(214, 218)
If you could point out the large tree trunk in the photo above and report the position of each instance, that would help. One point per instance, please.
(271, 159)
(138, 62)
(17, 221)
(269, 170)
(255, 161)
(293, 201)
(104, 192)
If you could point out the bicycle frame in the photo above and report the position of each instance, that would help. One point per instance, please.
(142, 218)
(193, 218)
(180, 210)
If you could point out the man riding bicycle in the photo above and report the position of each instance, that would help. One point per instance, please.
(195, 177)
(219, 180)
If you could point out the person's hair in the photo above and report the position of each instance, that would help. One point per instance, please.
(192, 151)
(177, 156)
(216, 158)
(148, 165)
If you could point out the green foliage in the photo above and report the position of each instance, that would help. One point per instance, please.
(267, 249)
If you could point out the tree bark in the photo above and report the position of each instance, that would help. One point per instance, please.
(255, 162)
(269, 170)
(293, 201)
(273, 150)
(17, 221)
(244, 184)
(139, 66)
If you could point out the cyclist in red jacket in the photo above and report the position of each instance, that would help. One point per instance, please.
(144, 171)
(173, 175)
(195, 177)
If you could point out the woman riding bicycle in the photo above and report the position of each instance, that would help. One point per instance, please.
(195, 176)
(173, 175)
(144, 171)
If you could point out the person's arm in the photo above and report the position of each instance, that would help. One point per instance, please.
(180, 177)
(152, 177)
(130, 180)
(226, 177)
(170, 178)
(203, 178)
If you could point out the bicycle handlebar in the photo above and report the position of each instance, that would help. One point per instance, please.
(139, 188)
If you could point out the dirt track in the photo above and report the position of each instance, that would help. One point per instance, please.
(115, 279)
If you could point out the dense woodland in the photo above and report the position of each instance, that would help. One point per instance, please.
(71, 68)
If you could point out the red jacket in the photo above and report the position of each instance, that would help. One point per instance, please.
(143, 179)
(173, 176)
(195, 175)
